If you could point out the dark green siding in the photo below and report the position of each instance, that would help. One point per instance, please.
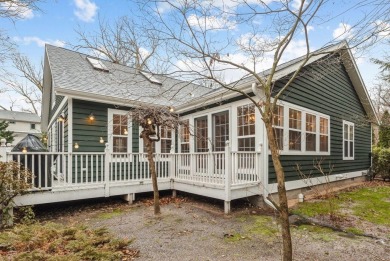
(59, 99)
(329, 91)
(87, 133)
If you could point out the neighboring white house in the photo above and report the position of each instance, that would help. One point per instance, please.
(21, 123)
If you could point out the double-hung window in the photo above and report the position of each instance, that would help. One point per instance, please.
(311, 137)
(324, 135)
(246, 127)
(118, 130)
(348, 140)
(301, 131)
(278, 125)
(295, 130)
(166, 139)
(185, 137)
(165, 143)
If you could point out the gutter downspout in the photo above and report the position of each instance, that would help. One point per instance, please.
(263, 149)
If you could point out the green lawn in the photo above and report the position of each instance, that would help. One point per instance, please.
(371, 203)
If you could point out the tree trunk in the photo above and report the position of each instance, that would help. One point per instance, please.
(283, 203)
(152, 168)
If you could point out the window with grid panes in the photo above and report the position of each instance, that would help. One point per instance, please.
(278, 125)
(311, 137)
(166, 139)
(324, 135)
(295, 130)
(201, 132)
(246, 127)
(348, 140)
(185, 137)
(221, 130)
(119, 132)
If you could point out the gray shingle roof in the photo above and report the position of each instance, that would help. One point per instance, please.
(71, 71)
(19, 116)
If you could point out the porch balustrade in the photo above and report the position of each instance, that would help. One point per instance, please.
(62, 170)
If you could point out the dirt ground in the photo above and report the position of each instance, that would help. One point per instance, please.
(196, 229)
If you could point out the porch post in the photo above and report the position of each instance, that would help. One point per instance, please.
(172, 169)
(70, 168)
(107, 171)
(228, 176)
(172, 163)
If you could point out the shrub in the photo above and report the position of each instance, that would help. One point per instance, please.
(14, 180)
(381, 162)
(384, 131)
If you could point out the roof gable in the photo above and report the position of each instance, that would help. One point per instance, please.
(74, 76)
(287, 68)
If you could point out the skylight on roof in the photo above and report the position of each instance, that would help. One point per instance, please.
(150, 77)
(97, 64)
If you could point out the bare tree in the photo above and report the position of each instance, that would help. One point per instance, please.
(125, 42)
(13, 10)
(28, 84)
(381, 90)
(153, 121)
(201, 40)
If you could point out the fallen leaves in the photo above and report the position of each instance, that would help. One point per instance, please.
(165, 201)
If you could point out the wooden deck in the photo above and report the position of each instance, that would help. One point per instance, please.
(60, 176)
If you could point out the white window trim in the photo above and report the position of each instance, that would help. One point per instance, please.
(237, 136)
(303, 110)
(157, 144)
(110, 114)
(349, 124)
(179, 140)
(233, 138)
(316, 132)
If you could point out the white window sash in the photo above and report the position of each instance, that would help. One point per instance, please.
(286, 130)
(348, 125)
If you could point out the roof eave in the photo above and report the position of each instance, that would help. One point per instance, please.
(74, 94)
(358, 83)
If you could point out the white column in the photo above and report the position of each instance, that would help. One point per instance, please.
(228, 176)
(107, 171)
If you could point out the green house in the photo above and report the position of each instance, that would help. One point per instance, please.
(325, 116)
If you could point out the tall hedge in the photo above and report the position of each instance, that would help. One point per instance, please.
(384, 131)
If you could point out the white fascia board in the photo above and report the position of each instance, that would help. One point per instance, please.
(45, 97)
(58, 111)
(358, 83)
(86, 96)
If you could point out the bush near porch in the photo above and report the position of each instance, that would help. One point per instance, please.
(52, 241)
(381, 162)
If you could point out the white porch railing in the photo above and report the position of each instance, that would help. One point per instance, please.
(61, 170)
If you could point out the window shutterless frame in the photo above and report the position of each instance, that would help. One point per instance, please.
(125, 132)
(348, 140)
(310, 129)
